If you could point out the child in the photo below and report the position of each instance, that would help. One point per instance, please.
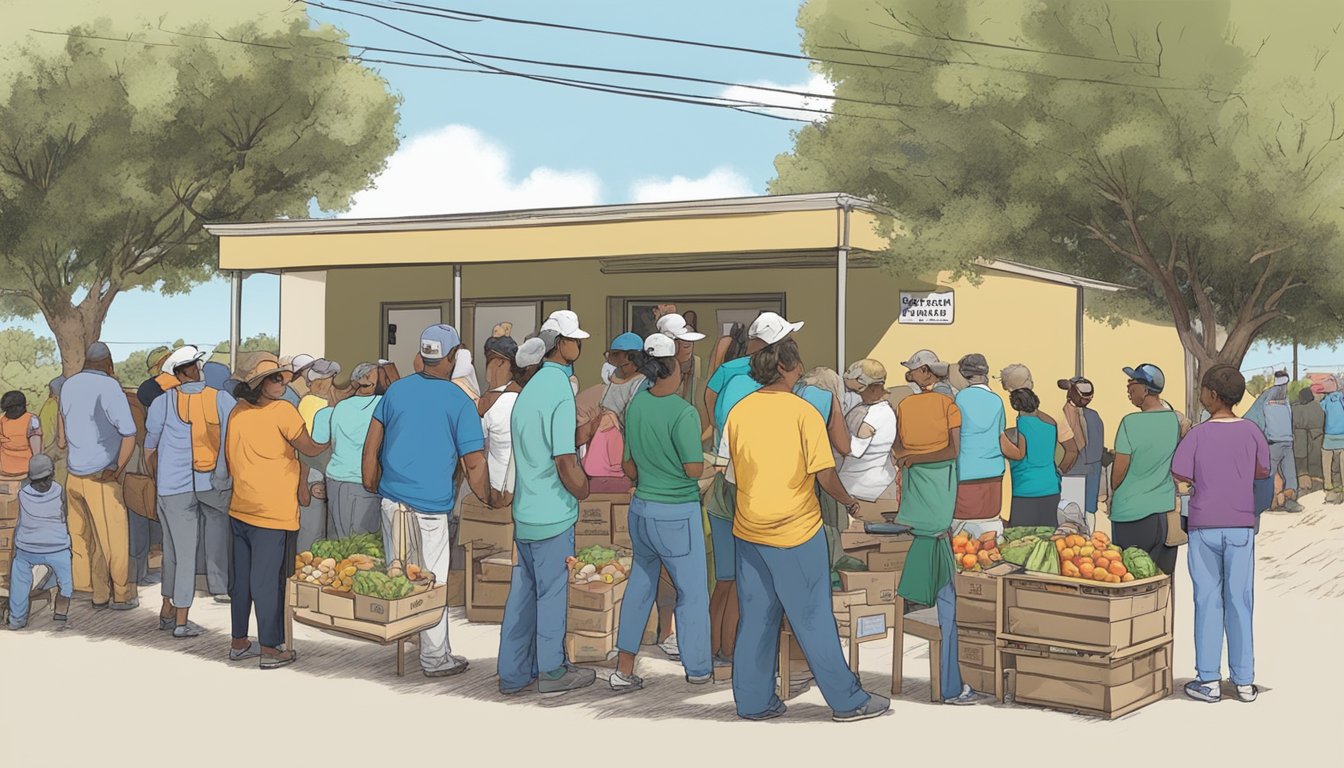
(20, 434)
(42, 538)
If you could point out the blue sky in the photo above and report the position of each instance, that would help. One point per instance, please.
(473, 142)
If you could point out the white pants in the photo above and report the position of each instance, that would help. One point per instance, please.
(431, 548)
(975, 528)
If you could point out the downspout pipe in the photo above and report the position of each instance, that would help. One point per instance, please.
(842, 283)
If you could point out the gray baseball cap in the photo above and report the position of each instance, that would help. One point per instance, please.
(40, 467)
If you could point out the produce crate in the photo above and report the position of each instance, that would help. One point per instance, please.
(1099, 685)
(596, 596)
(1120, 619)
(382, 633)
(594, 519)
(303, 595)
(978, 596)
(377, 609)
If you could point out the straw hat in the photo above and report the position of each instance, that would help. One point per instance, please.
(266, 368)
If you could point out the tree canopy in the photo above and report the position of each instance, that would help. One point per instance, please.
(118, 144)
(1191, 150)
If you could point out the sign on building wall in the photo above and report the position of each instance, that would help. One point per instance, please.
(927, 307)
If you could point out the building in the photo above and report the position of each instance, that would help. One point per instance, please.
(358, 289)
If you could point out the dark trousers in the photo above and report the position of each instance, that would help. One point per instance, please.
(1150, 535)
(262, 559)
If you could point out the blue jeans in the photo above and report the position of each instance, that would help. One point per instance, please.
(1222, 570)
(948, 668)
(21, 580)
(774, 582)
(669, 536)
(532, 637)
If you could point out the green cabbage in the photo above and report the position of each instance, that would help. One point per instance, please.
(1139, 563)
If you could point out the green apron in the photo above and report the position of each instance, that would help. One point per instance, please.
(721, 501)
(833, 521)
(928, 498)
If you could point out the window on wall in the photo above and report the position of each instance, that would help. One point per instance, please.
(711, 315)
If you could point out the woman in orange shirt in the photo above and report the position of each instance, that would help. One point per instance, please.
(263, 434)
(20, 434)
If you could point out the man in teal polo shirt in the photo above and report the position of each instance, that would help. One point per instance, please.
(548, 485)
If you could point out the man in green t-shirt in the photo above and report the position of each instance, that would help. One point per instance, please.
(1144, 490)
(663, 457)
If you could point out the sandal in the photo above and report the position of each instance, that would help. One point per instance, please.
(251, 651)
(282, 659)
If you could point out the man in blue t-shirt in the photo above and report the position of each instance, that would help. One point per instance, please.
(1332, 451)
(420, 430)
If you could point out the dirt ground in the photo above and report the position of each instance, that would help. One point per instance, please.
(112, 690)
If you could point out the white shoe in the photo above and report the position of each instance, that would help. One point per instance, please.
(670, 647)
(625, 683)
(1247, 693)
(1208, 691)
(968, 698)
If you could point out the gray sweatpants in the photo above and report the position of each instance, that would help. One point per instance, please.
(1282, 462)
(196, 525)
(312, 518)
(351, 509)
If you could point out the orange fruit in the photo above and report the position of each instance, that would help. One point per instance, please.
(1118, 568)
(1099, 575)
(969, 561)
(1059, 544)
(1068, 553)
(1127, 577)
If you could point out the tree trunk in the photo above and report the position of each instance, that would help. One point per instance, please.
(1232, 352)
(74, 331)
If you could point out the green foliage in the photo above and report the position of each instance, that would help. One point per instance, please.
(1191, 150)
(27, 363)
(116, 153)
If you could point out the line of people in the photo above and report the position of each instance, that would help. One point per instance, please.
(792, 455)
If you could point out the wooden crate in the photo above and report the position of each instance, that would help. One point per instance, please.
(1096, 685)
(1120, 619)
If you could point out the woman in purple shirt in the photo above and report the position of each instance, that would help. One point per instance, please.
(1222, 458)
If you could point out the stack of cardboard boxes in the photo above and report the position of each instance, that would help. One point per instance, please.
(885, 557)
(9, 520)
(1100, 649)
(365, 617)
(487, 536)
(977, 615)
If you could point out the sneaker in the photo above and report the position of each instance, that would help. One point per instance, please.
(572, 679)
(222, 599)
(670, 647)
(455, 665)
(969, 698)
(700, 679)
(129, 606)
(770, 714)
(1335, 497)
(1209, 692)
(190, 629)
(282, 659)
(100, 606)
(16, 627)
(1291, 506)
(516, 691)
(876, 706)
(167, 623)
(625, 683)
(252, 651)
(1247, 693)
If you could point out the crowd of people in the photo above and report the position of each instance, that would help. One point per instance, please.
(740, 487)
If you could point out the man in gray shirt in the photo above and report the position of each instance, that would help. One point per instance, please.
(98, 430)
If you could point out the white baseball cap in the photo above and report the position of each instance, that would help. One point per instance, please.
(181, 356)
(300, 363)
(772, 328)
(660, 345)
(565, 323)
(674, 325)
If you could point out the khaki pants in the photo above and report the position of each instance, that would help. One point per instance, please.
(100, 539)
(1330, 460)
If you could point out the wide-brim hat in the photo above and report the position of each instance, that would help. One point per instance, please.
(267, 368)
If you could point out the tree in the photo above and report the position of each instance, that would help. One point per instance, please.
(117, 146)
(28, 363)
(1190, 150)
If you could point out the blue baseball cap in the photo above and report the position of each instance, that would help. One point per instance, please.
(627, 342)
(437, 341)
(1148, 375)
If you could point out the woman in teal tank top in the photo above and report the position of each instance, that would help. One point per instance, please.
(1035, 478)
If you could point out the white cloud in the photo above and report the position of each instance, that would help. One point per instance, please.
(788, 105)
(457, 169)
(718, 183)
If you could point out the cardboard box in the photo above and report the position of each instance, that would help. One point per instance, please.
(975, 614)
(723, 674)
(474, 509)
(1094, 670)
(6, 539)
(851, 540)
(620, 519)
(10, 486)
(303, 595)
(976, 648)
(895, 543)
(338, 605)
(485, 614)
(384, 632)
(1085, 600)
(979, 678)
(9, 507)
(1101, 699)
(598, 622)
(594, 519)
(596, 596)
(886, 561)
(621, 540)
(880, 586)
(497, 568)
(485, 537)
(840, 601)
(589, 647)
(583, 542)
(1054, 627)
(457, 589)
(386, 611)
(490, 594)
(312, 617)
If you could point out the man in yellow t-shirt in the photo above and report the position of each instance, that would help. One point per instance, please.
(778, 451)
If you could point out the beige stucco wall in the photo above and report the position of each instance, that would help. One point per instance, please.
(303, 298)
